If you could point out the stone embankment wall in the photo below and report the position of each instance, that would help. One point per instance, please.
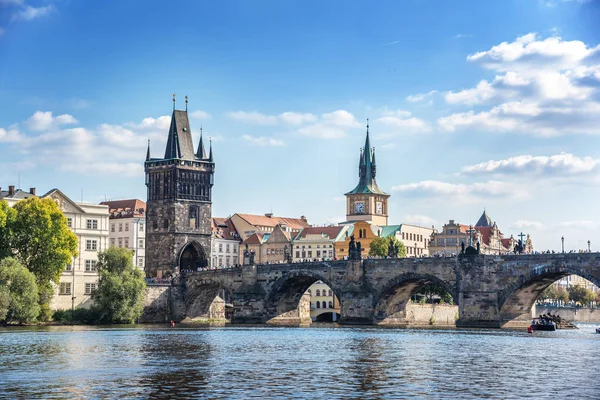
(431, 314)
(571, 313)
(156, 304)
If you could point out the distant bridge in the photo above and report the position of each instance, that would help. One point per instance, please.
(490, 291)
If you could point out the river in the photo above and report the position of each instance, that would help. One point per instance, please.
(301, 363)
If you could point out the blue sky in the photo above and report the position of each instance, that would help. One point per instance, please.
(472, 104)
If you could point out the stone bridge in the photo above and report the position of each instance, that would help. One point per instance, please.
(490, 291)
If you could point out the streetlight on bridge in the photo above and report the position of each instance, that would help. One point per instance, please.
(563, 243)
(589, 251)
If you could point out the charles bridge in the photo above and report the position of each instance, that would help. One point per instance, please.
(490, 291)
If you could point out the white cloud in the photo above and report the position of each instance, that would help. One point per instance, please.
(294, 118)
(578, 224)
(341, 118)
(551, 166)
(419, 97)
(43, 120)
(256, 118)
(523, 224)
(463, 192)
(322, 131)
(461, 36)
(262, 141)
(10, 135)
(421, 220)
(544, 87)
(402, 119)
(161, 123)
(199, 114)
(28, 13)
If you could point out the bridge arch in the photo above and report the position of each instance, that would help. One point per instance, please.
(204, 299)
(192, 256)
(516, 300)
(283, 300)
(391, 301)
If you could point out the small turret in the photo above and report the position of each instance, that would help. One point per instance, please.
(210, 156)
(201, 153)
(148, 151)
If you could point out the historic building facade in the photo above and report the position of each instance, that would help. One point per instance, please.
(179, 202)
(225, 242)
(316, 243)
(128, 227)
(324, 304)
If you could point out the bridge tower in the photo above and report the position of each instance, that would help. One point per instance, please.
(179, 202)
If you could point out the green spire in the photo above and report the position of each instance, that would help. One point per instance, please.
(367, 169)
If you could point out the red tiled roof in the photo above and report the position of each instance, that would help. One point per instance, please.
(263, 220)
(256, 238)
(329, 231)
(486, 232)
(125, 208)
(223, 228)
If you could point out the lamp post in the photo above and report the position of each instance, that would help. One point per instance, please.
(563, 243)
(589, 250)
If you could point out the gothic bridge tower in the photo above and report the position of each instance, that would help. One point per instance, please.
(178, 231)
(367, 202)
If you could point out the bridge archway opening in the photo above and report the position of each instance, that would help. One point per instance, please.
(414, 299)
(516, 303)
(192, 256)
(300, 298)
(209, 301)
(329, 316)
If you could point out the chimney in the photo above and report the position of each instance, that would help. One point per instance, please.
(11, 190)
(32, 191)
(303, 218)
(269, 215)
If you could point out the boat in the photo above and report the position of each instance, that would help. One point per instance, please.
(597, 330)
(543, 324)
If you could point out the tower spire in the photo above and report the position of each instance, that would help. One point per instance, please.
(148, 151)
(210, 156)
(174, 95)
(201, 153)
(186, 103)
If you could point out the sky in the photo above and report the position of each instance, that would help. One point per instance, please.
(472, 105)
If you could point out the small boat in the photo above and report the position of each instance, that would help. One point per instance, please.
(597, 330)
(543, 324)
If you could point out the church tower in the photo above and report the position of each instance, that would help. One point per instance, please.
(179, 205)
(367, 202)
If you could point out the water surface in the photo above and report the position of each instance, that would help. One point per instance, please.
(267, 362)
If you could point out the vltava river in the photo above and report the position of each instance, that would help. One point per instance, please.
(312, 363)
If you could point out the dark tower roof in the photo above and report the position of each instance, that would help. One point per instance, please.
(148, 151)
(366, 171)
(201, 153)
(179, 143)
(484, 220)
(210, 156)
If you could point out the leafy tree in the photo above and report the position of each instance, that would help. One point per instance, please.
(562, 295)
(379, 247)
(22, 291)
(4, 301)
(433, 290)
(41, 238)
(581, 295)
(555, 293)
(7, 215)
(120, 293)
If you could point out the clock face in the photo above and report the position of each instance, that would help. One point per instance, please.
(359, 207)
(379, 207)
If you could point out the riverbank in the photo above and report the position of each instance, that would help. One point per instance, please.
(577, 314)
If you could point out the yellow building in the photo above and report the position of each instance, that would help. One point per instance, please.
(324, 304)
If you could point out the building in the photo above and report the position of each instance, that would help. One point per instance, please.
(247, 225)
(269, 248)
(90, 223)
(316, 243)
(485, 232)
(128, 227)
(225, 242)
(367, 202)
(178, 234)
(324, 304)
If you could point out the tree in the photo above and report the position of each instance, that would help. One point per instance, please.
(22, 292)
(120, 293)
(4, 301)
(432, 290)
(379, 247)
(581, 295)
(7, 215)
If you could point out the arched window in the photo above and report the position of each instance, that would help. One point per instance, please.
(330, 292)
(318, 304)
(309, 292)
(318, 292)
(330, 304)
(324, 304)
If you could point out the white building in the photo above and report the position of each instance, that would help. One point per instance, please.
(90, 223)
(316, 243)
(225, 243)
(128, 227)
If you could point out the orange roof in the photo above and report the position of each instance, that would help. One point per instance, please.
(223, 228)
(263, 220)
(125, 208)
(329, 231)
(256, 238)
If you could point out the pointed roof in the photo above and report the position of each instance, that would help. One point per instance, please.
(179, 142)
(148, 151)
(201, 153)
(484, 220)
(210, 156)
(366, 169)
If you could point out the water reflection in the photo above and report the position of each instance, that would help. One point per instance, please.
(272, 362)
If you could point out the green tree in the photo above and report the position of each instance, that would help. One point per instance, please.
(432, 290)
(7, 215)
(379, 247)
(120, 293)
(581, 295)
(22, 292)
(562, 295)
(4, 301)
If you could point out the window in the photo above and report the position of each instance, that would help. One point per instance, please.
(268, 251)
(221, 248)
(120, 242)
(91, 244)
(330, 253)
(140, 262)
(141, 243)
(297, 254)
(126, 241)
(318, 304)
(227, 248)
(324, 304)
(92, 224)
(120, 227)
(330, 292)
(227, 260)
(90, 288)
(318, 253)
(90, 265)
(112, 227)
(126, 227)
(141, 227)
(234, 249)
(318, 292)
(112, 241)
(65, 288)
(69, 267)
(166, 224)
(69, 222)
(330, 304)
(310, 254)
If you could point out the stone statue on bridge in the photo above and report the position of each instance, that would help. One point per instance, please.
(354, 249)
(393, 249)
